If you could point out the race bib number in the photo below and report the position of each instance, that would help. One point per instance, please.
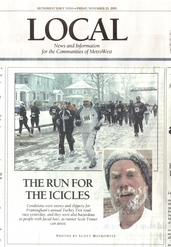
(21, 118)
(137, 109)
(53, 111)
(87, 119)
(33, 114)
(119, 109)
(109, 110)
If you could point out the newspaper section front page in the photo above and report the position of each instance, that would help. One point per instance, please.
(85, 123)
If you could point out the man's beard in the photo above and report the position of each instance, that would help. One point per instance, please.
(133, 205)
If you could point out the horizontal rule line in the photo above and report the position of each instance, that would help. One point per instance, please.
(85, 59)
(89, 10)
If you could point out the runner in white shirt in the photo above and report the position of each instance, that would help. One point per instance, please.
(90, 119)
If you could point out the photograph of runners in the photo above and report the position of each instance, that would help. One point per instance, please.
(63, 121)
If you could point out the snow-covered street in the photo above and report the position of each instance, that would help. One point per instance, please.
(40, 152)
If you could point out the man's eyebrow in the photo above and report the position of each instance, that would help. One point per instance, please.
(131, 170)
(115, 173)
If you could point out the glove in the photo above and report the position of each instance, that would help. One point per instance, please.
(97, 128)
(58, 121)
(78, 123)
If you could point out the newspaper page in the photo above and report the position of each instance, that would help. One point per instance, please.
(85, 125)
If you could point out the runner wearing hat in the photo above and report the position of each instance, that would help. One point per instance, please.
(90, 118)
(23, 119)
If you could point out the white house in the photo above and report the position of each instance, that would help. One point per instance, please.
(58, 95)
(75, 92)
(22, 93)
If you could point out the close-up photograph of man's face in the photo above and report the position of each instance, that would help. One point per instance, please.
(128, 188)
(128, 176)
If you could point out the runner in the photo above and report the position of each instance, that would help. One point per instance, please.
(131, 112)
(65, 127)
(34, 117)
(23, 119)
(53, 112)
(155, 109)
(120, 112)
(90, 119)
(139, 109)
(147, 113)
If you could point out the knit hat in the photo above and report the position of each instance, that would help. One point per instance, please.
(87, 97)
(136, 157)
(22, 104)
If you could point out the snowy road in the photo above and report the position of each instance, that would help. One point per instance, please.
(41, 151)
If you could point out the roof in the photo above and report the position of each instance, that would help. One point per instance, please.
(57, 91)
(49, 76)
(74, 96)
(22, 87)
(143, 89)
(80, 84)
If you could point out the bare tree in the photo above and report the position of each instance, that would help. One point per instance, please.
(100, 82)
(96, 81)
(127, 81)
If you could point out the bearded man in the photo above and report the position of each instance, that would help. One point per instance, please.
(128, 180)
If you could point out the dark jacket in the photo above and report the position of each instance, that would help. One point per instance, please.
(54, 110)
(23, 113)
(120, 109)
(131, 108)
(35, 112)
(65, 121)
(110, 108)
(139, 109)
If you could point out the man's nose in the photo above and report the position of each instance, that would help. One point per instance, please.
(123, 182)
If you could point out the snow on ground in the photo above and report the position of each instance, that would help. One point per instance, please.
(44, 118)
(40, 152)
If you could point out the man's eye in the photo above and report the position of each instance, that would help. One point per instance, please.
(115, 176)
(130, 175)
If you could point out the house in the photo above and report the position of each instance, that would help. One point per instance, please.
(58, 95)
(75, 92)
(34, 87)
(22, 93)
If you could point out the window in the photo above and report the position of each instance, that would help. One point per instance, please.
(34, 95)
(45, 96)
(38, 81)
(26, 80)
